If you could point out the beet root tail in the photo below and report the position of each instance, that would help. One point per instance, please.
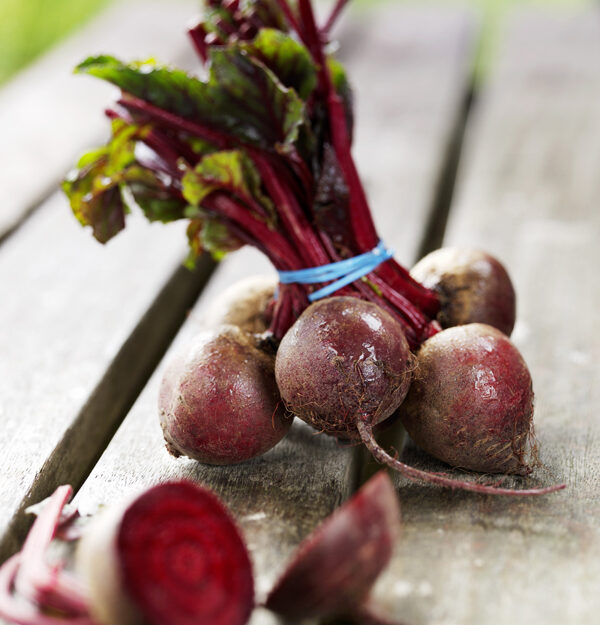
(365, 429)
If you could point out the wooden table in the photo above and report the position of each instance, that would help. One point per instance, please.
(85, 328)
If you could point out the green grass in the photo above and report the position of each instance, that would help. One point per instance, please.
(28, 27)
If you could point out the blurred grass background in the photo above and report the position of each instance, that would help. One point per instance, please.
(28, 27)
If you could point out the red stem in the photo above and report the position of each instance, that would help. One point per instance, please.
(365, 429)
(279, 250)
(197, 34)
(36, 580)
(404, 305)
(16, 610)
(291, 19)
(425, 298)
(303, 235)
(360, 215)
(29, 585)
(333, 16)
(220, 140)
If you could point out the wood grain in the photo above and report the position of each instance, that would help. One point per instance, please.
(82, 326)
(281, 496)
(528, 192)
(49, 116)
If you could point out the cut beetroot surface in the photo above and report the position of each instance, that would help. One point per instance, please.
(183, 560)
(335, 567)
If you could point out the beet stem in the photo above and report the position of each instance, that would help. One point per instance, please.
(28, 584)
(291, 19)
(22, 612)
(333, 16)
(36, 580)
(365, 429)
(198, 34)
(174, 121)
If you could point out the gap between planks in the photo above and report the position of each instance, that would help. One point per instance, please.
(527, 191)
(83, 442)
(71, 120)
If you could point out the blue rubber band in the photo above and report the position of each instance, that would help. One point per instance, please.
(342, 272)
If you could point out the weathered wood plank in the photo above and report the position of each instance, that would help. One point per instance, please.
(280, 497)
(407, 107)
(48, 115)
(82, 327)
(528, 192)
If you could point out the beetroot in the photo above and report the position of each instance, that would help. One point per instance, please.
(219, 402)
(470, 404)
(243, 304)
(472, 286)
(343, 366)
(335, 567)
(471, 401)
(176, 557)
(344, 359)
(171, 555)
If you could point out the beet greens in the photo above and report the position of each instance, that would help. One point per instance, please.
(256, 152)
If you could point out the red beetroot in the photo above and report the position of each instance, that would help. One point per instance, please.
(219, 402)
(471, 401)
(344, 359)
(343, 366)
(336, 566)
(171, 555)
(174, 555)
(472, 286)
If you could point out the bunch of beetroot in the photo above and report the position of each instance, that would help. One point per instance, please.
(465, 395)
(259, 152)
(173, 554)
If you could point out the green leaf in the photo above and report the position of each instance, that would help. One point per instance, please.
(171, 89)
(242, 97)
(288, 59)
(143, 189)
(206, 234)
(214, 18)
(231, 171)
(93, 188)
(108, 182)
(255, 106)
(267, 13)
(92, 203)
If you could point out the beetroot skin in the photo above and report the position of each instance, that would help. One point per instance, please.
(336, 566)
(471, 401)
(219, 402)
(473, 287)
(342, 360)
